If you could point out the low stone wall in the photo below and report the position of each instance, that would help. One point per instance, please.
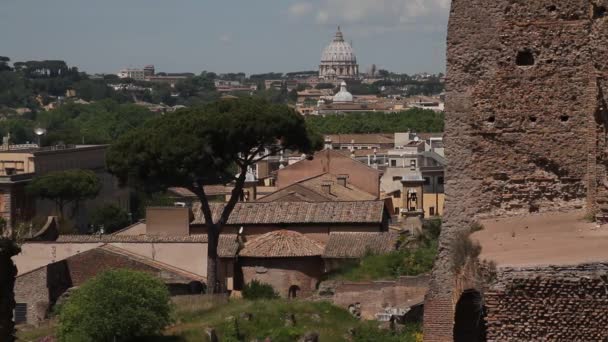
(553, 303)
(377, 297)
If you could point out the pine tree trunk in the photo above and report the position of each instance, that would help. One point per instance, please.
(212, 261)
(8, 273)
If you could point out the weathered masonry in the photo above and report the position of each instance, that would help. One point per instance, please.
(526, 122)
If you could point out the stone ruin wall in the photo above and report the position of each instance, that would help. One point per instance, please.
(549, 304)
(525, 120)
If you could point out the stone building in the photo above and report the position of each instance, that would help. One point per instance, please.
(38, 290)
(338, 60)
(19, 164)
(287, 260)
(525, 133)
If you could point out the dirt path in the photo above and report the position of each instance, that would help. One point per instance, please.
(543, 239)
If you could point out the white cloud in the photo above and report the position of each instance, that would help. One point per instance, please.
(300, 9)
(373, 16)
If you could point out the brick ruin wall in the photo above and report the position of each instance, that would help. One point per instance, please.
(549, 304)
(376, 297)
(525, 121)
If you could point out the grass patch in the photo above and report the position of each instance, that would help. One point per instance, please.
(245, 320)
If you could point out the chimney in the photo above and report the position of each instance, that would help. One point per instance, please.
(326, 186)
(342, 180)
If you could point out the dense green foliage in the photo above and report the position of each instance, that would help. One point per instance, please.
(98, 123)
(404, 262)
(416, 256)
(417, 120)
(213, 144)
(117, 306)
(256, 290)
(111, 217)
(64, 187)
(369, 332)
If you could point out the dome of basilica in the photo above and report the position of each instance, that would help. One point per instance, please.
(339, 51)
(338, 60)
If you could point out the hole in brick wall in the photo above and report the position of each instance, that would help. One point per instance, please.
(564, 118)
(524, 58)
(598, 11)
(532, 118)
(469, 322)
(551, 8)
(491, 119)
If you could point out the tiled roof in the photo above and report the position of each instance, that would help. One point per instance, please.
(210, 190)
(357, 244)
(315, 184)
(228, 245)
(130, 239)
(281, 244)
(297, 212)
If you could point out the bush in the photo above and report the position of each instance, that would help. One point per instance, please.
(256, 290)
(116, 305)
(369, 332)
(111, 217)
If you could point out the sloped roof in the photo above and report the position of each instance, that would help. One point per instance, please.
(131, 238)
(227, 247)
(373, 138)
(281, 244)
(245, 213)
(315, 184)
(357, 244)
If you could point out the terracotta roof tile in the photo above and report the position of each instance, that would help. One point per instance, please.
(130, 238)
(281, 244)
(357, 244)
(297, 212)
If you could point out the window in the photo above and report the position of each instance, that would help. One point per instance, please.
(20, 313)
(432, 211)
(397, 178)
(440, 180)
(393, 163)
(412, 163)
(427, 180)
(396, 210)
(397, 194)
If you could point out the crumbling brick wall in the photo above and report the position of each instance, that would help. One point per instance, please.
(374, 297)
(526, 121)
(549, 304)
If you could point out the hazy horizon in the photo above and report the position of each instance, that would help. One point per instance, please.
(228, 36)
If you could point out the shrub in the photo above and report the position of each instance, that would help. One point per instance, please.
(463, 250)
(370, 332)
(111, 217)
(116, 305)
(257, 290)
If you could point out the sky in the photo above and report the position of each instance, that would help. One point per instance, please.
(251, 36)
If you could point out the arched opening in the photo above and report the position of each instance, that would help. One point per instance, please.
(469, 324)
(294, 290)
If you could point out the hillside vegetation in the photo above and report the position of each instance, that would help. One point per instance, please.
(417, 120)
(244, 320)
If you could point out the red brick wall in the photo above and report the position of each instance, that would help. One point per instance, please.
(282, 273)
(374, 297)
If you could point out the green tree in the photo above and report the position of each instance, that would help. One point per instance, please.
(111, 217)
(65, 187)
(8, 273)
(208, 145)
(117, 305)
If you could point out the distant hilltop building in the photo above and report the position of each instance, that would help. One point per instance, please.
(338, 60)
